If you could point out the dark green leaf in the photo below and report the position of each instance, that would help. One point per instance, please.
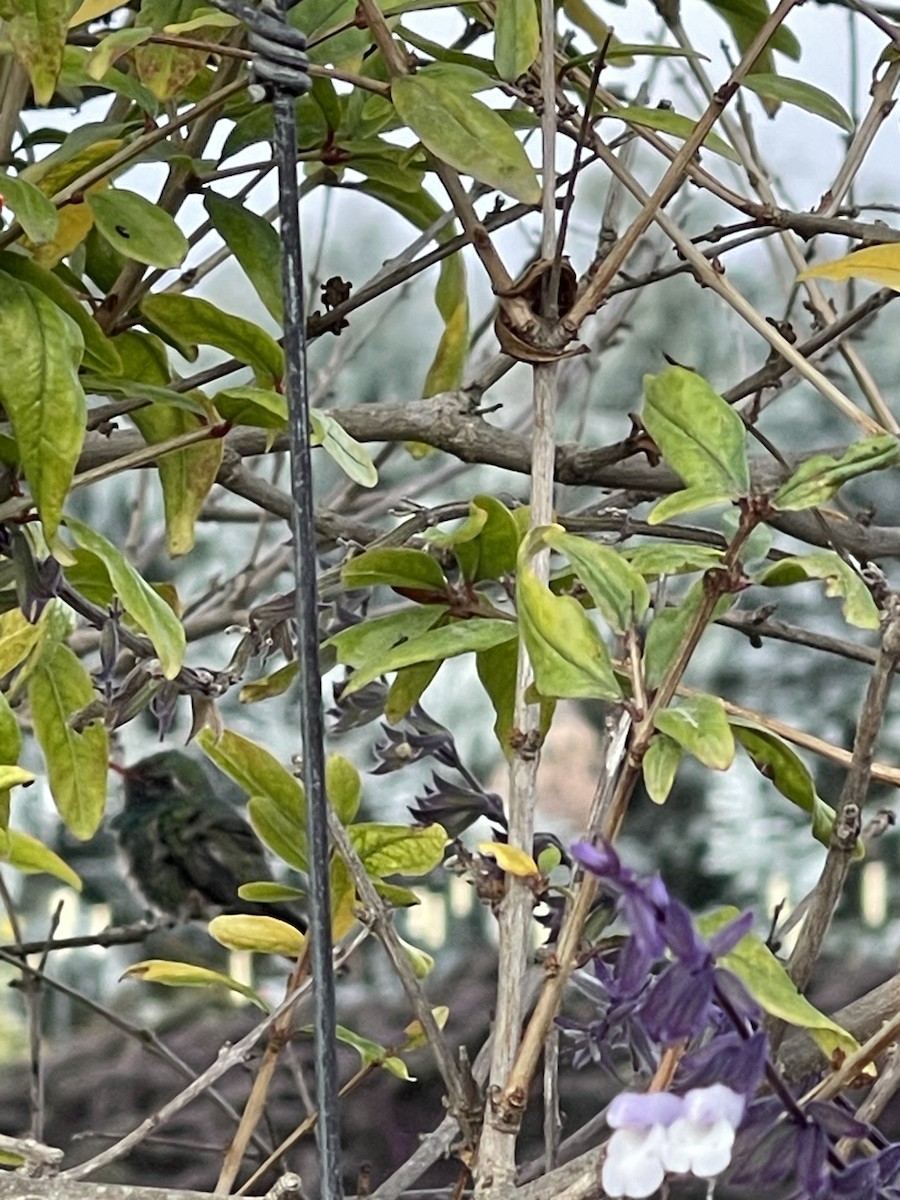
(666, 121)
(394, 567)
(254, 243)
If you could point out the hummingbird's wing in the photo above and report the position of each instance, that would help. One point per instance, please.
(216, 851)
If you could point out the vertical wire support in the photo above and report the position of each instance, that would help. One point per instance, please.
(307, 641)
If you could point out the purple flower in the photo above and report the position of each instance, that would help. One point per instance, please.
(643, 904)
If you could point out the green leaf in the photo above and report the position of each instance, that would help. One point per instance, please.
(182, 974)
(467, 135)
(666, 121)
(343, 786)
(370, 1052)
(193, 321)
(452, 539)
(137, 228)
(659, 766)
(77, 763)
(37, 30)
(262, 408)
(139, 600)
(778, 762)
(41, 393)
(420, 208)
(746, 18)
(668, 630)
(253, 768)
(35, 212)
(407, 688)
(27, 854)
(700, 436)
(690, 499)
(700, 726)
(497, 545)
(394, 567)
(275, 684)
(618, 590)
(99, 351)
(672, 558)
(771, 987)
(373, 638)
(268, 892)
(567, 655)
(840, 580)
(517, 38)
(817, 479)
(282, 828)
(112, 46)
(350, 456)
(255, 244)
(801, 95)
(18, 638)
(398, 849)
(449, 641)
(259, 935)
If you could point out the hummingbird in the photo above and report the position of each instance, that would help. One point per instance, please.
(188, 849)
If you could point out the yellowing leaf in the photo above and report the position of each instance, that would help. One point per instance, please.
(877, 264)
(27, 854)
(262, 935)
(513, 860)
(182, 974)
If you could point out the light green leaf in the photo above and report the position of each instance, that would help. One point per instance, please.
(137, 228)
(259, 935)
(421, 962)
(672, 558)
(666, 121)
(567, 655)
(343, 786)
(112, 46)
(394, 567)
(398, 849)
(255, 244)
(27, 854)
(771, 987)
(466, 134)
(99, 351)
(618, 590)
(700, 436)
(449, 641)
(801, 95)
(41, 393)
(517, 38)
(659, 766)
(840, 580)
(452, 539)
(191, 320)
(262, 408)
(182, 974)
(268, 892)
(35, 212)
(37, 30)
(778, 762)
(817, 479)
(371, 1053)
(700, 726)
(350, 456)
(139, 600)
(690, 499)
(77, 763)
(282, 828)
(668, 630)
(372, 638)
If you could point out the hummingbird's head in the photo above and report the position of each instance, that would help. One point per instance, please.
(163, 777)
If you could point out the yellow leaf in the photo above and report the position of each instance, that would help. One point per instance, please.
(415, 1034)
(264, 935)
(877, 264)
(513, 860)
(92, 10)
(182, 974)
(75, 221)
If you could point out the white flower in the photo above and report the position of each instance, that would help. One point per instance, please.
(657, 1132)
(634, 1155)
(700, 1140)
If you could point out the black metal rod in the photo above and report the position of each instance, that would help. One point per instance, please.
(307, 640)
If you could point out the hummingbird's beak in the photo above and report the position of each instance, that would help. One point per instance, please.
(119, 769)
